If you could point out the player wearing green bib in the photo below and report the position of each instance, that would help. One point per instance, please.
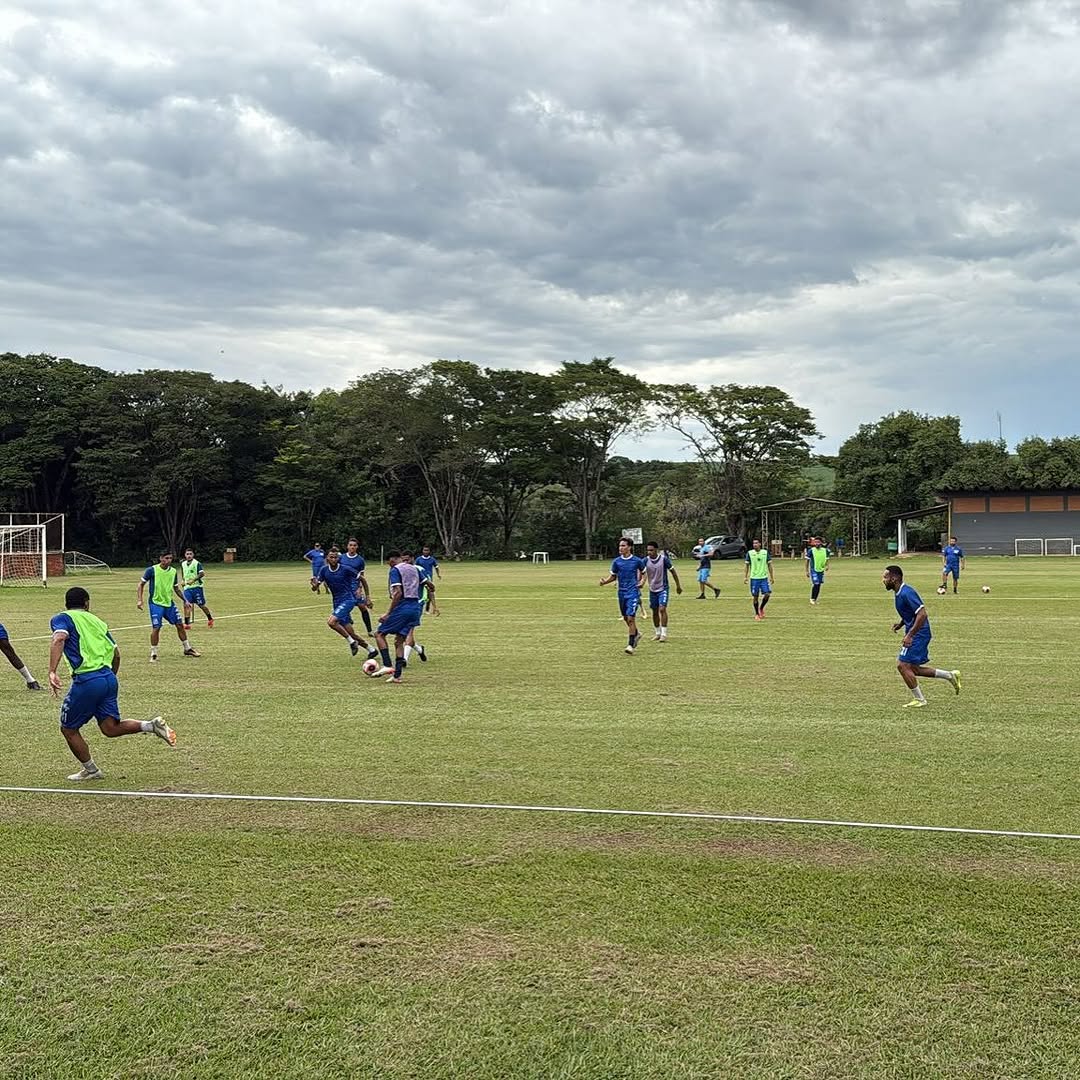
(85, 642)
(759, 573)
(817, 562)
(191, 570)
(163, 593)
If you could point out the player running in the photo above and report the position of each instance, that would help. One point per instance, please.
(84, 640)
(406, 583)
(317, 558)
(915, 648)
(817, 562)
(191, 571)
(351, 559)
(759, 573)
(343, 585)
(427, 606)
(704, 571)
(628, 570)
(952, 562)
(16, 662)
(657, 568)
(163, 591)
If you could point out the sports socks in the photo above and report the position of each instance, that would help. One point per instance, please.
(917, 694)
(385, 654)
(814, 592)
(24, 671)
(940, 674)
(399, 666)
(367, 619)
(146, 726)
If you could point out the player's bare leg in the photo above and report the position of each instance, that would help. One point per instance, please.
(189, 649)
(632, 630)
(657, 635)
(16, 662)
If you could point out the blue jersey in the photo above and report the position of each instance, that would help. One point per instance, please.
(355, 563)
(427, 563)
(953, 555)
(627, 571)
(908, 605)
(318, 559)
(341, 582)
(410, 578)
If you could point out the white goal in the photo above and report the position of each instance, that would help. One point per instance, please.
(1059, 545)
(23, 555)
(1029, 547)
(78, 562)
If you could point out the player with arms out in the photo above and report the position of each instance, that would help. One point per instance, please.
(952, 562)
(164, 591)
(352, 560)
(657, 568)
(85, 642)
(317, 558)
(343, 585)
(759, 573)
(817, 562)
(16, 661)
(406, 583)
(191, 570)
(915, 648)
(628, 570)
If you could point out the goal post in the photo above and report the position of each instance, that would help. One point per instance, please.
(1029, 546)
(1059, 545)
(78, 562)
(23, 555)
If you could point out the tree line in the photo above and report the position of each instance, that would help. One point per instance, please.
(484, 462)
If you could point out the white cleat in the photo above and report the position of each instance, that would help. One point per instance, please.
(629, 650)
(658, 636)
(163, 731)
(382, 671)
(87, 774)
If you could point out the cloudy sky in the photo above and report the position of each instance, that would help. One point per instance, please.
(874, 204)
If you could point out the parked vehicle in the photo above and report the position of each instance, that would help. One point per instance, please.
(721, 547)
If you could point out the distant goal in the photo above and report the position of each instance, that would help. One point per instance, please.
(24, 556)
(1054, 545)
(78, 562)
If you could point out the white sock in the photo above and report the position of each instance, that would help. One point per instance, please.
(408, 652)
(24, 671)
(146, 725)
(663, 631)
(917, 693)
(187, 645)
(153, 650)
(89, 766)
(939, 674)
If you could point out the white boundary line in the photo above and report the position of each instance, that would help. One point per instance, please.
(684, 814)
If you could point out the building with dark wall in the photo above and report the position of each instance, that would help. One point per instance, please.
(1015, 522)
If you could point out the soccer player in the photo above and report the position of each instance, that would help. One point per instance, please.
(351, 559)
(430, 565)
(427, 604)
(343, 585)
(317, 558)
(15, 661)
(704, 570)
(191, 570)
(84, 640)
(163, 589)
(817, 562)
(915, 648)
(952, 562)
(759, 573)
(402, 617)
(628, 570)
(657, 568)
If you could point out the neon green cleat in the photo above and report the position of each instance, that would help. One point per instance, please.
(916, 703)
(956, 681)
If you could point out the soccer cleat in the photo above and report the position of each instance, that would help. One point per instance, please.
(956, 681)
(395, 680)
(384, 670)
(210, 622)
(629, 650)
(757, 616)
(658, 636)
(422, 653)
(192, 652)
(34, 685)
(915, 703)
(87, 774)
(163, 731)
(354, 647)
(701, 597)
(153, 658)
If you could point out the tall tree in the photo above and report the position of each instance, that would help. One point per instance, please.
(598, 405)
(752, 442)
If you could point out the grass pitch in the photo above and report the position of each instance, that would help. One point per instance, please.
(144, 939)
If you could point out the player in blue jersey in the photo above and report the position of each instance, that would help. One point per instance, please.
(915, 648)
(406, 583)
(317, 558)
(343, 585)
(628, 570)
(704, 571)
(657, 568)
(353, 560)
(16, 661)
(85, 642)
(430, 565)
(427, 606)
(952, 562)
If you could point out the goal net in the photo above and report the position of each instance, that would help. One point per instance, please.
(23, 552)
(78, 562)
(1029, 547)
(1059, 545)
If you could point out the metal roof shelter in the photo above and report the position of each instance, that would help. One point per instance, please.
(773, 514)
(914, 515)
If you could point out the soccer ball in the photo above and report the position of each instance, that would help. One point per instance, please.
(986, 588)
(370, 666)
(941, 590)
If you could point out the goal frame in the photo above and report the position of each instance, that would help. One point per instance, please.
(37, 561)
(1062, 541)
(1029, 540)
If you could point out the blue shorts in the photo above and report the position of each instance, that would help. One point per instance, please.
(3, 633)
(703, 575)
(628, 604)
(316, 568)
(343, 612)
(658, 599)
(195, 595)
(760, 586)
(817, 577)
(918, 652)
(403, 618)
(954, 570)
(90, 697)
(167, 614)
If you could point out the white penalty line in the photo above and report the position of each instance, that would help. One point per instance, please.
(752, 819)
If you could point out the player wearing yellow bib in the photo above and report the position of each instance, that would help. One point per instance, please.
(163, 593)
(759, 574)
(817, 562)
(85, 642)
(192, 572)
